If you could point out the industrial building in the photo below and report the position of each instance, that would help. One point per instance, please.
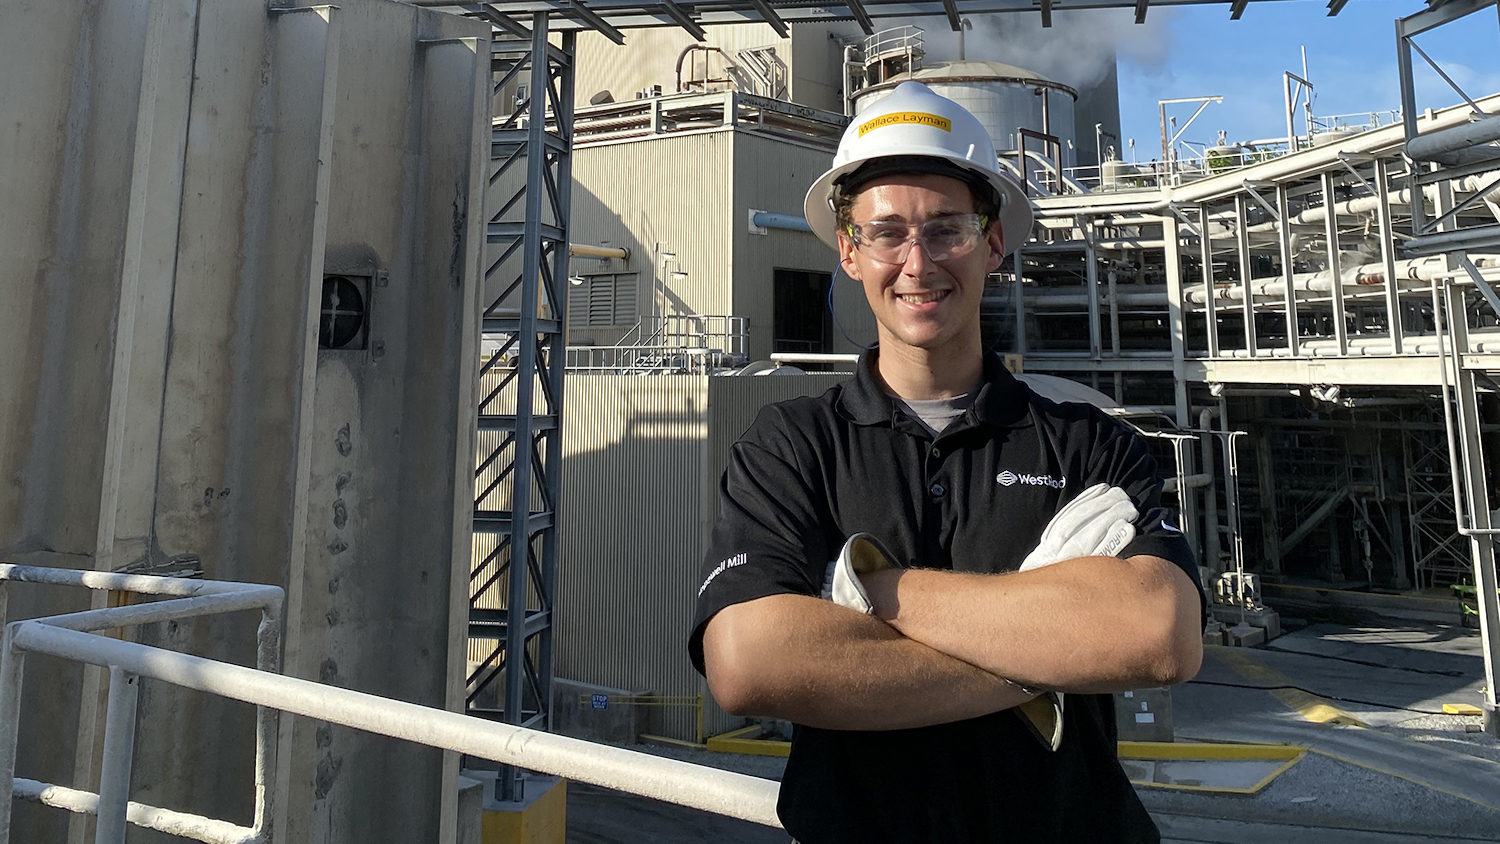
(1310, 457)
(438, 323)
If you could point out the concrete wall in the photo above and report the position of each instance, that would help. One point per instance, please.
(176, 174)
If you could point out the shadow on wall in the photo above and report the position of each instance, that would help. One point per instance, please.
(632, 537)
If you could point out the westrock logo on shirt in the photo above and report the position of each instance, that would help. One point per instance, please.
(1009, 478)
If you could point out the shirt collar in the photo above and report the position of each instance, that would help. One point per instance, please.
(1002, 400)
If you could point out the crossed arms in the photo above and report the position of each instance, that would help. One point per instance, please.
(940, 643)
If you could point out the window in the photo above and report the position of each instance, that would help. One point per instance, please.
(606, 299)
(801, 319)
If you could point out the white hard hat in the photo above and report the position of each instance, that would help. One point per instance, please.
(912, 121)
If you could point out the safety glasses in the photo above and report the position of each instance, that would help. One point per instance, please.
(944, 238)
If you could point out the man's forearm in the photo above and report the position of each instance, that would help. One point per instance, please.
(814, 663)
(1093, 624)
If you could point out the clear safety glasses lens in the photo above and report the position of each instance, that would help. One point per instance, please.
(943, 237)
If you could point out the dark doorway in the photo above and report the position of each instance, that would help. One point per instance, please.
(801, 321)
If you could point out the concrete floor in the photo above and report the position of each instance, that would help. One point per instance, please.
(1412, 775)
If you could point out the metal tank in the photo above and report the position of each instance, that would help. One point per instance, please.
(1008, 100)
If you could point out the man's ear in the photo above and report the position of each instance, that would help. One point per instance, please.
(846, 257)
(996, 240)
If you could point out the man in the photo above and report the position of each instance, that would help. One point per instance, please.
(905, 705)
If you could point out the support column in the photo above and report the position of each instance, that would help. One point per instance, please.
(1091, 276)
(1336, 293)
(1474, 510)
(1176, 325)
(1205, 247)
(1388, 249)
(1247, 300)
(1289, 297)
(119, 751)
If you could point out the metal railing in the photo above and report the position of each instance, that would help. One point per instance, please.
(71, 637)
(68, 636)
(692, 344)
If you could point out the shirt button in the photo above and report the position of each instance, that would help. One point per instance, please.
(937, 490)
(937, 451)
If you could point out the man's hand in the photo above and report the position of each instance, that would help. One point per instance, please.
(861, 554)
(1099, 522)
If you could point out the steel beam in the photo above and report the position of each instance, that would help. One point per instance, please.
(1091, 279)
(950, 10)
(1140, 10)
(1470, 476)
(1388, 254)
(1046, 13)
(857, 9)
(1289, 299)
(769, 15)
(510, 25)
(1242, 244)
(577, 9)
(1437, 15)
(1177, 327)
(1331, 233)
(1206, 256)
(683, 19)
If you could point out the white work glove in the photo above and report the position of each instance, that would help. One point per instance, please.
(1098, 523)
(861, 554)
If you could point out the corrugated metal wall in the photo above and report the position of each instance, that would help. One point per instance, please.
(642, 459)
(664, 195)
(634, 517)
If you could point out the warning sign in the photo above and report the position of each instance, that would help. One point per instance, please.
(906, 117)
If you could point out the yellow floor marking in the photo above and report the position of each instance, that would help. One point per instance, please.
(1311, 707)
(1462, 709)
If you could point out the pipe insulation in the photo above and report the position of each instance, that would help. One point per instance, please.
(1411, 274)
(1452, 145)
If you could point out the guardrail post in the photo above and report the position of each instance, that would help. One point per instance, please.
(119, 751)
(11, 672)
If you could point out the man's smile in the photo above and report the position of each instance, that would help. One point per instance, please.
(922, 297)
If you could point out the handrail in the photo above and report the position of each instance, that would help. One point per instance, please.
(189, 598)
(722, 792)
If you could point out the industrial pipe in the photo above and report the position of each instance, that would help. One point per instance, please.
(583, 250)
(1448, 146)
(767, 220)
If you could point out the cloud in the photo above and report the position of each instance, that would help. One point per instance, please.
(1080, 47)
(1078, 50)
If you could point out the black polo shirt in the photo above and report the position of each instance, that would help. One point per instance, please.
(812, 471)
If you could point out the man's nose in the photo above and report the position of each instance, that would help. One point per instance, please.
(918, 259)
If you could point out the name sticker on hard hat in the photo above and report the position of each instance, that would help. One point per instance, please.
(906, 117)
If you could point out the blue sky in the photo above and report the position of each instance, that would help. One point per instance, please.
(1197, 51)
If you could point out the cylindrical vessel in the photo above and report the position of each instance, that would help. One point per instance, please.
(1004, 97)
